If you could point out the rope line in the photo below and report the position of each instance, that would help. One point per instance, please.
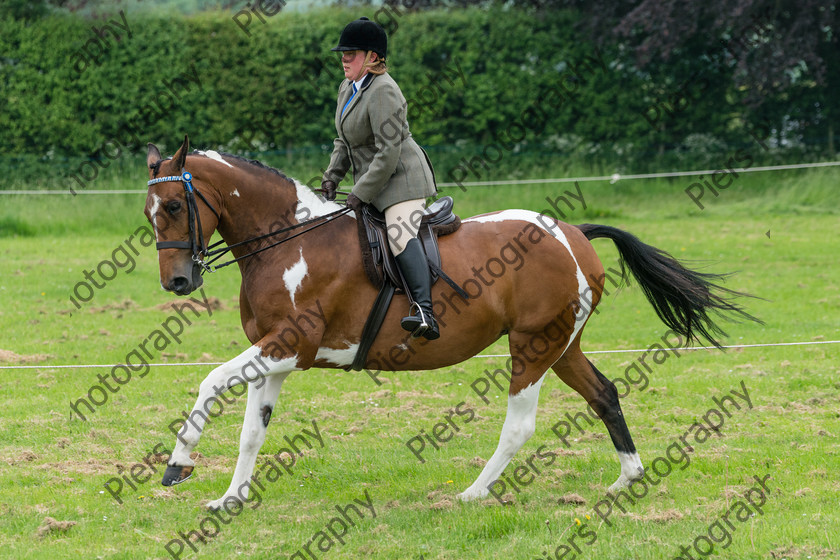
(63, 191)
(691, 348)
(772, 344)
(615, 177)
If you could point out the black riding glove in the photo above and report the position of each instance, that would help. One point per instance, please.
(328, 188)
(354, 202)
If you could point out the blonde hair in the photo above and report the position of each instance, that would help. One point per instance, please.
(379, 67)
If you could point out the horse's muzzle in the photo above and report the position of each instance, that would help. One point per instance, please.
(184, 286)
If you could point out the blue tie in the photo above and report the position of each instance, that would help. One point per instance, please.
(349, 100)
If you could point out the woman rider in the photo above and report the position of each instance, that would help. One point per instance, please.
(390, 170)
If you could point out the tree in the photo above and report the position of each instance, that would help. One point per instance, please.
(781, 52)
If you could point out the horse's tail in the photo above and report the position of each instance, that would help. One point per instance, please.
(682, 298)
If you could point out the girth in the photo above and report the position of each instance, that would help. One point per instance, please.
(381, 266)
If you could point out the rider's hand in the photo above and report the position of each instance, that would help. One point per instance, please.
(328, 187)
(354, 202)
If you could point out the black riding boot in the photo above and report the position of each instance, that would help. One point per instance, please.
(415, 271)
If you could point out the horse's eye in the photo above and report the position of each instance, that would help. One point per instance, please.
(173, 206)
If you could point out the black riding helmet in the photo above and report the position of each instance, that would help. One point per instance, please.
(363, 35)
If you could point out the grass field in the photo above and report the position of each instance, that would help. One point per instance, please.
(778, 232)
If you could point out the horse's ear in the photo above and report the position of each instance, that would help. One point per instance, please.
(153, 155)
(180, 156)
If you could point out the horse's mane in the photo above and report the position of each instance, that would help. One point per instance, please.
(241, 159)
(256, 163)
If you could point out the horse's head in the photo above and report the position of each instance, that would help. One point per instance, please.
(181, 221)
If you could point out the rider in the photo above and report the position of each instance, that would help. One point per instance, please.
(390, 170)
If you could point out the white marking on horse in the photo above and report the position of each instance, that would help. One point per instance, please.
(214, 155)
(248, 367)
(293, 277)
(518, 428)
(311, 206)
(235, 192)
(338, 356)
(265, 376)
(631, 471)
(153, 213)
(549, 226)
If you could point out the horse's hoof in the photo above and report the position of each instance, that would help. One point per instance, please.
(215, 505)
(218, 504)
(626, 482)
(176, 474)
(469, 495)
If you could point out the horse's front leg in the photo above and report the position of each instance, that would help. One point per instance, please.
(249, 367)
(257, 414)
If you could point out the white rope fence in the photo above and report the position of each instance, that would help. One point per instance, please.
(615, 177)
(771, 344)
(182, 364)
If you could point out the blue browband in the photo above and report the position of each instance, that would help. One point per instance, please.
(186, 177)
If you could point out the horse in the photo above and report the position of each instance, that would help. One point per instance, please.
(304, 300)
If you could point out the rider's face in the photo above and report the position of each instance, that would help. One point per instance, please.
(352, 62)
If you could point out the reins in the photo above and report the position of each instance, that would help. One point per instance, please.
(218, 253)
(197, 244)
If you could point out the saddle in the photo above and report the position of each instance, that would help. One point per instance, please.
(380, 264)
(381, 267)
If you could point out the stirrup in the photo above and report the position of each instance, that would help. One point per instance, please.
(426, 329)
(407, 323)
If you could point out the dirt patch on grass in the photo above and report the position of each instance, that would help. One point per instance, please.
(123, 305)
(477, 462)
(658, 517)
(440, 500)
(806, 551)
(26, 456)
(91, 466)
(445, 503)
(214, 303)
(108, 466)
(571, 499)
(9, 357)
(50, 525)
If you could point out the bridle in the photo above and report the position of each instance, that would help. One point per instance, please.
(201, 251)
(196, 243)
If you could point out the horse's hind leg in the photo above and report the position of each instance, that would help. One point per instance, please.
(520, 421)
(518, 428)
(582, 376)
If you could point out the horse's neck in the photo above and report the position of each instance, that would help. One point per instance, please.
(259, 202)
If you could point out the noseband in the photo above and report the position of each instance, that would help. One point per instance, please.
(196, 243)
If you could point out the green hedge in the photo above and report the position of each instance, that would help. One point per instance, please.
(480, 83)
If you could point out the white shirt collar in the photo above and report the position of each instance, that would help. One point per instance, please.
(359, 82)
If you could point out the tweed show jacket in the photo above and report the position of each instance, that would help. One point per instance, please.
(373, 136)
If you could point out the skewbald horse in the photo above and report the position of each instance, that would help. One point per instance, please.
(547, 293)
